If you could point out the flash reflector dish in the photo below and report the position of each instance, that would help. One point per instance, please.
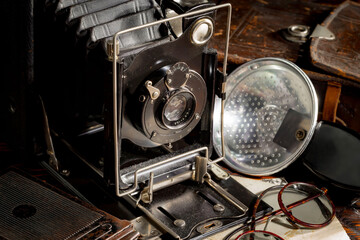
(270, 114)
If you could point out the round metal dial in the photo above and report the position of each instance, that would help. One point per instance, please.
(177, 75)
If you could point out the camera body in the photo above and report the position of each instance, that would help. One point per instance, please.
(167, 75)
(169, 102)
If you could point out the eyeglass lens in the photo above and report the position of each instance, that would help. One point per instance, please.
(314, 212)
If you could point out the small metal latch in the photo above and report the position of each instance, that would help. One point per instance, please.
(219, 173)
(148, 193)
(200, 168)
(153, 91)
(110, 49)
(322, 33)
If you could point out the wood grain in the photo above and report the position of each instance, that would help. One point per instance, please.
(342, 55)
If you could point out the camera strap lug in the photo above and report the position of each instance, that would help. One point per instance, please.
(153, 91)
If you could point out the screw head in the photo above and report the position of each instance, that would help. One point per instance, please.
(145, 197)
(219, 208)
(154, 233)
(153, 134)
(254, 67)
(300, 134)
(155, 95)
(65, 172)
(179, 223)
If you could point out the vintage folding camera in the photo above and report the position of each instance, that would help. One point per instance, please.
(129, 88)
(166, 79)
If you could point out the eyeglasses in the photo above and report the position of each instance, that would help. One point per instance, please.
(303, 204)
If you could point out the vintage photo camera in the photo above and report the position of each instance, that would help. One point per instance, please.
(167, 75)
(129, 89)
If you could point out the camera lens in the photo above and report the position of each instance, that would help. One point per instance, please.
(179, 107)
(178, 110)
(175, 108)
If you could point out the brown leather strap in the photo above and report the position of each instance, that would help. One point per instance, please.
(331, 102)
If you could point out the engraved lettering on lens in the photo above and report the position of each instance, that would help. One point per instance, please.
(178, 110)
(175, 108)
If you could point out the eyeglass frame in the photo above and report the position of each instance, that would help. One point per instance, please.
(284, 209)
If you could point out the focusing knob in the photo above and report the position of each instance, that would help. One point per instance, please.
(177, 75)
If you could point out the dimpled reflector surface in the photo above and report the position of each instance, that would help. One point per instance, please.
(268, 101)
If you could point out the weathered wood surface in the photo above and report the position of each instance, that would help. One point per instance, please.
(256, 27)
(256, 31)
(342, 55)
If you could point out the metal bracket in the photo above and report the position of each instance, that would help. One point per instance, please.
(219, 173)
(322, 33)
(148, 193)
(198, 174)
(110, 49)
(185, 176)
(200, 169)
(153, 91)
